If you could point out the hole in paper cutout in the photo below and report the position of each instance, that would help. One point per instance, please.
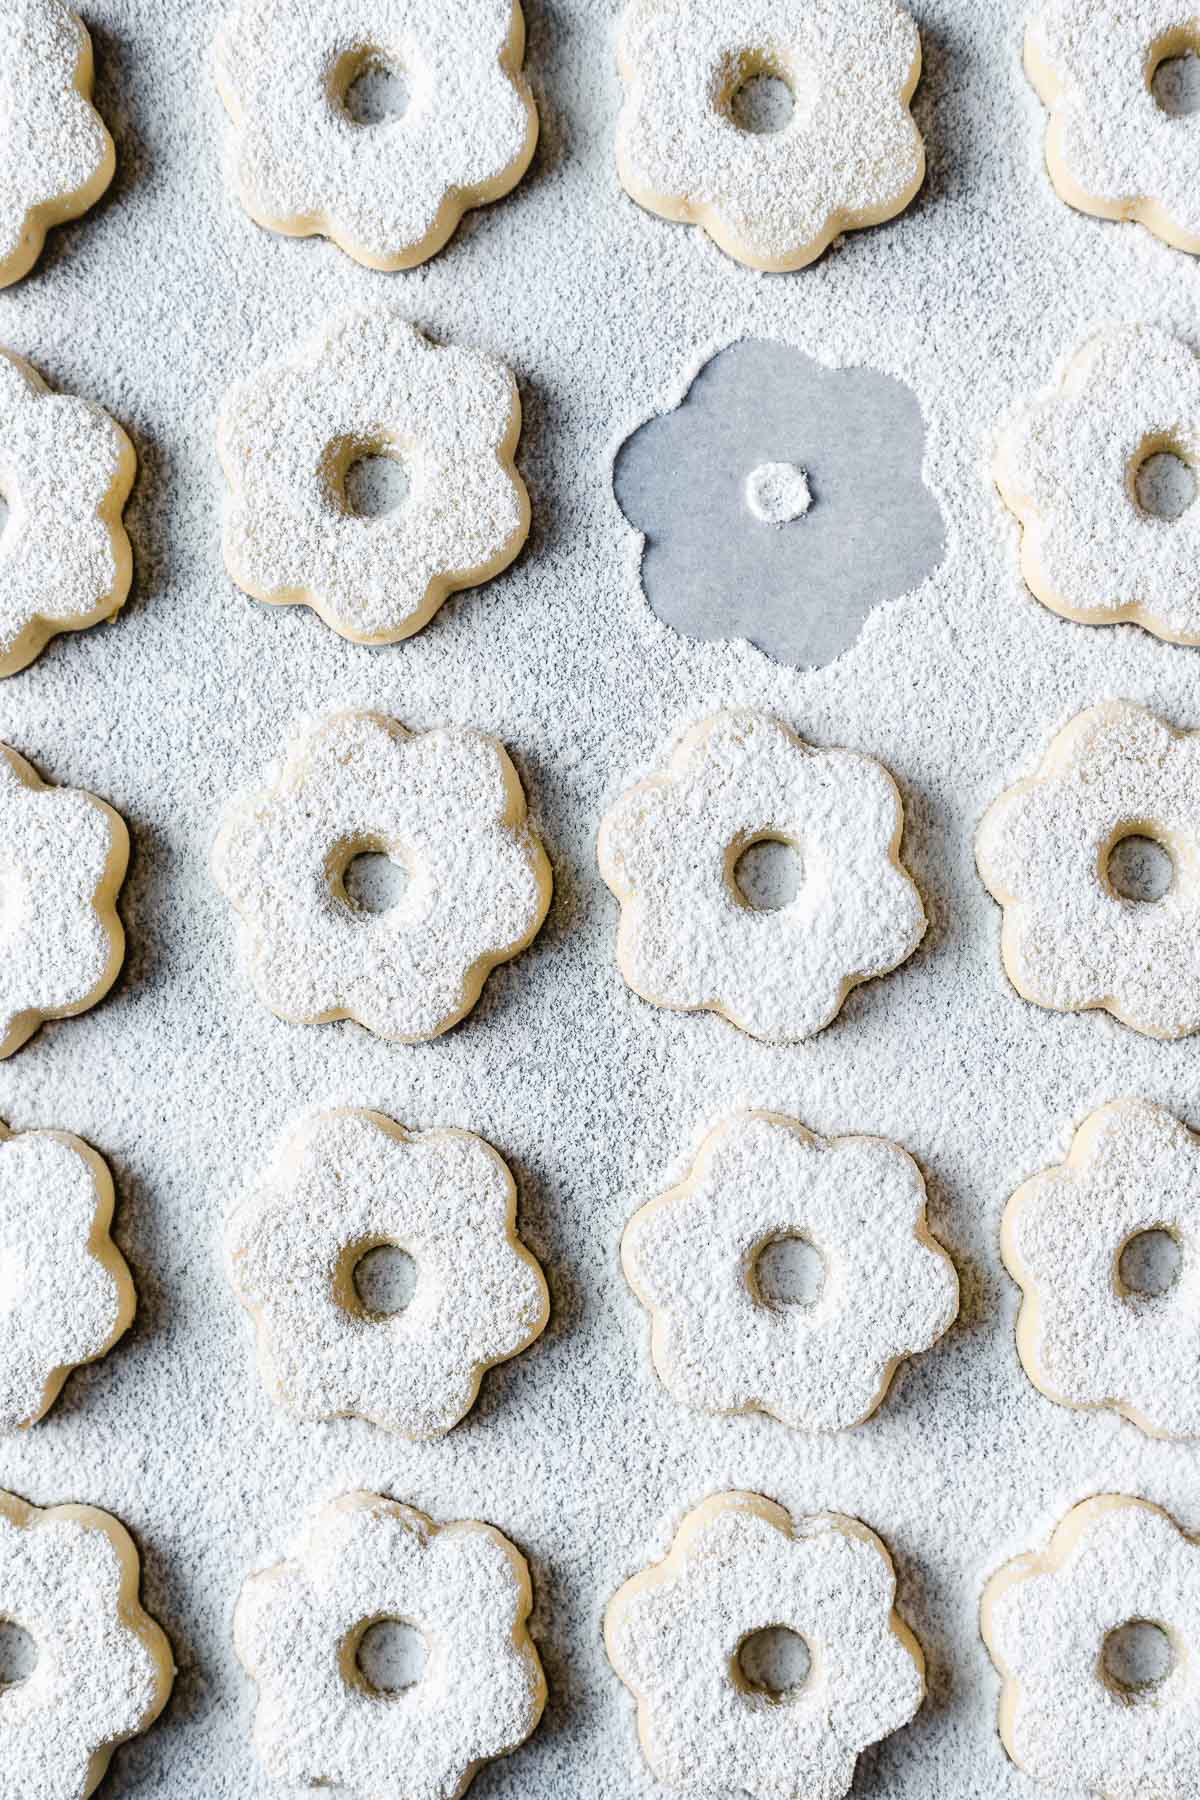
(391, 1657)
(789, 1271)
(1136, 1659)
(1149, 1263)
(385, 1280)
(769, 873)
(1140, 869)
(1165, 485)
(1175, 83)
(802, 595)
(377, 91)
(374, 882)
(778, 493)
(774, 1661)
(18, 1654)
(375, 484)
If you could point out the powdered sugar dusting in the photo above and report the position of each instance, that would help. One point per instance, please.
(389, 194)
(887, 1289)
(341, 1183)
(466, 1590)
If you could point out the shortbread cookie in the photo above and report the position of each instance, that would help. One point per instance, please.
(64, 555)
(56, 157)
(739, 1565)
(66, 1294)
(388, 193)
(341, 1184)
(448, 807)
(369, 386)
(849, 155)
(299, 1625)
(1085, 1339)
(63, 855)
(1070, 941)
(1069, 467)
(689, 939)
(888, 1288)
(1066, 1717)
(69, 1578)
(1111, 149)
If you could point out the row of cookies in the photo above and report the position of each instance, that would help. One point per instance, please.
(1086, 467)
(785, 1274)
(774, 128)
(763, 1651)
(447, 808)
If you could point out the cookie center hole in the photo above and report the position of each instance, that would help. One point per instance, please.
(1140, 869)
(1175, 83)
(789, 1271)
(1149, 1264)
(378, 91)
(18, 1654)
(1136, 1659)
(775, 1662)
(1165, 485)
(763, 102)
(374, 882)
(385, 1280)
(375, 484)
(777, 493)
(391, 1657)
(769, 873)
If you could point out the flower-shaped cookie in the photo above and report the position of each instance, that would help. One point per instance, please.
(690, 939)
(447, 806)
(56, 157)
(388, 191)
(65, 1291)
(299, 1626)
(1111, 148)
(738, 1566)
(1068, 468)
(63, 855)
(368, 387)
(342, 1184)
(849, 155)
(1066, 1715)
(691, 1256)
(1070, 941)
(1086, 1339)
(69, 1578)
(66, 470)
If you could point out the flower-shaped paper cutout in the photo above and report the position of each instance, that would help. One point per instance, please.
(1111, 149)
(371, 385)
(69, 1577)
(65, 1291)
(341, 1184)
(688, 939)
(56, 157)
(1085, 1340)
(1111, 1562)
(63, 855)
(1068, 466)
(740, 1565)
(712, 569)
(889, 1289)
(850, 155)
(448, 806)
(1069, 940)
(298, 1626)
(391, 193)
(66, 470)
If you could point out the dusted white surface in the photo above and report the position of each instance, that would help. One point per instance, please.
(151, 305)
